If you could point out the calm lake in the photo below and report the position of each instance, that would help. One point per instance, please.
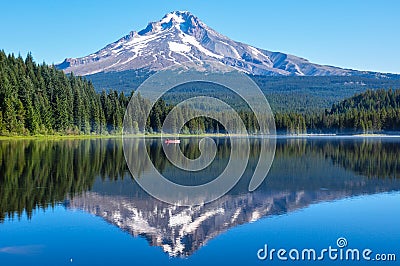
(74, 202)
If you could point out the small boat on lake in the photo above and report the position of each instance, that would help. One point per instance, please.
(172, 141)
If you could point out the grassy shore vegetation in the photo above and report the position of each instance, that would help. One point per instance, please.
(39, 100)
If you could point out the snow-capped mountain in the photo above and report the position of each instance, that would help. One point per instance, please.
(181, 38)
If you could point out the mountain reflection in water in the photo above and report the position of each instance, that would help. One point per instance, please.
(92, 175)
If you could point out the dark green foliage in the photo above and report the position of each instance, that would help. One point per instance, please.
(371, 111)
(124, 81)
(38, 99)
(290, 123)
(305, 94)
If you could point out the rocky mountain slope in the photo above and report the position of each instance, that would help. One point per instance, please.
(181, 38)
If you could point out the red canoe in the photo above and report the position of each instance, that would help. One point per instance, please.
(172, 141)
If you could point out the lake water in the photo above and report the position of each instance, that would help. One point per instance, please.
(74, 202)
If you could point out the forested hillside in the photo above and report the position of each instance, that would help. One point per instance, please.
(370, 111)
(38, 99)
(304, 94)
(367, 112)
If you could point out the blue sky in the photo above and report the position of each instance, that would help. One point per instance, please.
(355, 34)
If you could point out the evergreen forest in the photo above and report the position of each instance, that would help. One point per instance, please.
(38, 99)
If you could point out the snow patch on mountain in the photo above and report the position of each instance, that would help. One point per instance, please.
(179, 47)
(192, 40)
(172, 16)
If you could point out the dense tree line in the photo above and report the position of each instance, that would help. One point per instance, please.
(303, 94)
(38, 99)
(370, 111)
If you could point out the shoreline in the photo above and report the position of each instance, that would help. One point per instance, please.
(338, 136)
(159, 135)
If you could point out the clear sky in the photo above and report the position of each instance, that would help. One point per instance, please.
(363, 35)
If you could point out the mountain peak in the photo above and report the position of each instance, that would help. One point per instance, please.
(181, 38)
(183, 20)
(178, 15)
